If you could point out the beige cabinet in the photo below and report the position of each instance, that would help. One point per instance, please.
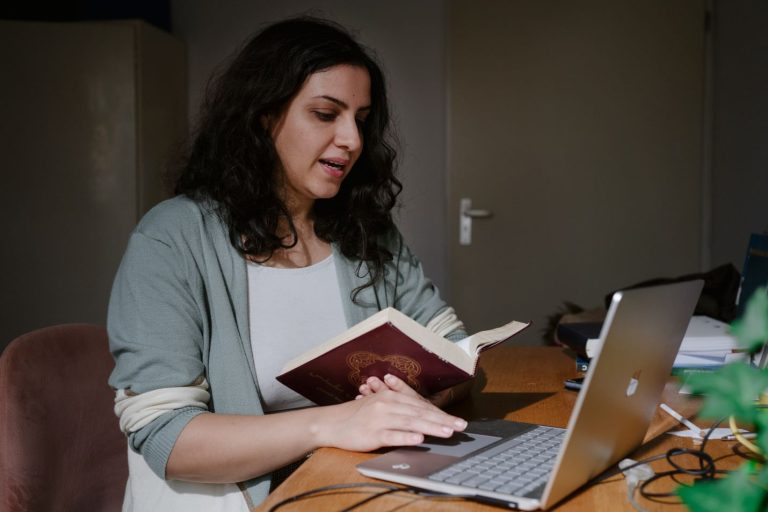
(91, 113)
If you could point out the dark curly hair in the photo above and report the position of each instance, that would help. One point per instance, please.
(232, 158)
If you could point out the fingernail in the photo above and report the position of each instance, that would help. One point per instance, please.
(460, 424)
(389, 378)
(447, 430)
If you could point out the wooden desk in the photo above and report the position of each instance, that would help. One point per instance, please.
(516, 383)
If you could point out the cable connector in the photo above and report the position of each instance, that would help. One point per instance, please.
(635, 474)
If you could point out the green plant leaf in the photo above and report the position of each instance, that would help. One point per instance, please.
(739, 491)
(731, 390)
(751, 330)
(761, 427)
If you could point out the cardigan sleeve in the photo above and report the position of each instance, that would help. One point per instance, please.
(155, 324)
(414, 293)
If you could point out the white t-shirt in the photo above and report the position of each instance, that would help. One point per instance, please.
(291, 311)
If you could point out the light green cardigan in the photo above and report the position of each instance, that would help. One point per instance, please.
(178, 310)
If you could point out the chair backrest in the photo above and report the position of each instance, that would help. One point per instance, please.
(60, 444)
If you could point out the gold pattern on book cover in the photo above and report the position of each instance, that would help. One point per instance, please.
(407, 366)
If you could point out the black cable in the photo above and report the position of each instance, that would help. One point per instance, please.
(371, 498)
(707, 469)
(319, 490)
(388, 489)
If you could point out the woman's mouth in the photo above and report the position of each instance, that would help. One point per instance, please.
(334, 167)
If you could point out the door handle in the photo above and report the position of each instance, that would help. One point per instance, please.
(466, 214)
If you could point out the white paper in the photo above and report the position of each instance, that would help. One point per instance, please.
(718, 433)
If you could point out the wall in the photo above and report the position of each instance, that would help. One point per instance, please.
(90, 110)
(408, 39)
(740, 144)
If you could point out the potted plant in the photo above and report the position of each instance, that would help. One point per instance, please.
(737, 391)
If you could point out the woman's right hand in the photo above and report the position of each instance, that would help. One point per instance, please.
(384, 418)
(216, 447)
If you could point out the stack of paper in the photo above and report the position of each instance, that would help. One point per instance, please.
(707, 342)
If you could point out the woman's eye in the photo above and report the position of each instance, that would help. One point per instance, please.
(325, 116)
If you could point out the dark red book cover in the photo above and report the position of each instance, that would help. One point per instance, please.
(335, 376)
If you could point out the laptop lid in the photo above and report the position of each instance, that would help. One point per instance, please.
(641, 335)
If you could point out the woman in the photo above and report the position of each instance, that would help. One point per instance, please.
(280, 237)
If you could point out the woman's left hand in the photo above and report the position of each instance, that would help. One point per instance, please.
(440, 399)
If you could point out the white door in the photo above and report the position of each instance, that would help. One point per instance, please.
(579, 126)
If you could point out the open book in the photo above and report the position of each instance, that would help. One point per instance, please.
(388, 342)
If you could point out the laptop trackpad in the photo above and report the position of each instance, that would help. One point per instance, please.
(428, 457)
(458, 445)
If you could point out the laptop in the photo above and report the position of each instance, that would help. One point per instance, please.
(641, 336)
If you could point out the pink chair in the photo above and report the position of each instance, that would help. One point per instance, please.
(60, 445)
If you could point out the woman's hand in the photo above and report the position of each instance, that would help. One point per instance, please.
(232, 448)
(374, 385)
(440, 399)
(388, 416)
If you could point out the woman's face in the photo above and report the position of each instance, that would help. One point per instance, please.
(319, 136)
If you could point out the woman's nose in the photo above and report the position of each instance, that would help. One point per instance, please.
(348, 135)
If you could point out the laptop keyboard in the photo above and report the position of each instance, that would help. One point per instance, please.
(516, 466)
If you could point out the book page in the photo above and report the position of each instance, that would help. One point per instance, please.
(484, 340)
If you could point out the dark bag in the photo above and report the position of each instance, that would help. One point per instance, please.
(718, 297)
